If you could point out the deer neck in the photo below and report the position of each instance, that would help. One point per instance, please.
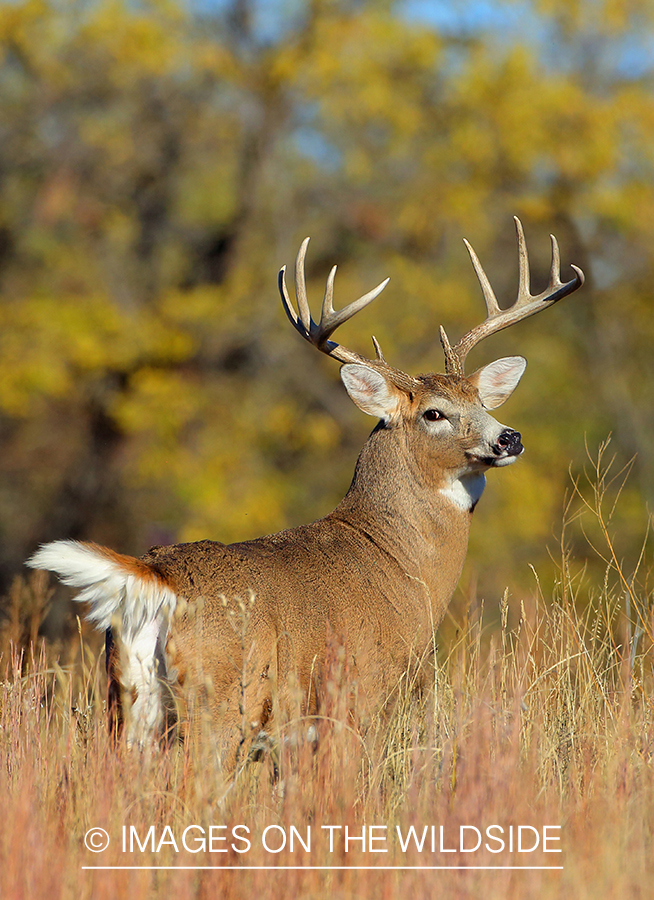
(420, 520)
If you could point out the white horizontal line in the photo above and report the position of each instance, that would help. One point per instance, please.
(340, 868)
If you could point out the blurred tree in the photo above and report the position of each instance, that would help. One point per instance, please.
(159, 162)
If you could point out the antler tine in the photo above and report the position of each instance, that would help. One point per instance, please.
(327, 310)
(301, 286)
(555, 265)
(330, 320)
(489, 295)
(555, 272)
(378, 349)
(525, 304)
(319, 333)
(288, 306)
(524, 278)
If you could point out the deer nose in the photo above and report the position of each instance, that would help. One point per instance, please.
(509, 441)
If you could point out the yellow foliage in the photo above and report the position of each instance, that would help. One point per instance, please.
(138, 43)
(157, 173)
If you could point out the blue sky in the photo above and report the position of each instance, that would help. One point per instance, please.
(503, 21)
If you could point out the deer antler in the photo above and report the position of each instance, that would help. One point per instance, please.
(525, 305)
(318, 334)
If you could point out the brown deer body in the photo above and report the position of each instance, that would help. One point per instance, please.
(377, 573)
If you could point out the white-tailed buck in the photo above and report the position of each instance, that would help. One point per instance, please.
(378, 572)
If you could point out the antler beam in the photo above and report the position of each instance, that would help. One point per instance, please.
(525, 304)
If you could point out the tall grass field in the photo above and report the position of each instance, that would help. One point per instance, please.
(527, 770)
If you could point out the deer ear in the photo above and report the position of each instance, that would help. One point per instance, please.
(497, 381)
(371, 392)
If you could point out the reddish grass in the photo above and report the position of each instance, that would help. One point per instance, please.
(545, 722)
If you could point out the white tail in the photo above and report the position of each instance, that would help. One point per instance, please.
(378, 572)
(137, 605)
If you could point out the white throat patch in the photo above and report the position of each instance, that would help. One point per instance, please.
(464, 492)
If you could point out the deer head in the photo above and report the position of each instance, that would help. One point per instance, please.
(444, 417)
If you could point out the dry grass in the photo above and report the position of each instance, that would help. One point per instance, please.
(546, 720)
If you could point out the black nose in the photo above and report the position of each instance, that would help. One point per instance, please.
(509, 440)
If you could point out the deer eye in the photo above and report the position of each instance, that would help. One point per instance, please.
(433, 415)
